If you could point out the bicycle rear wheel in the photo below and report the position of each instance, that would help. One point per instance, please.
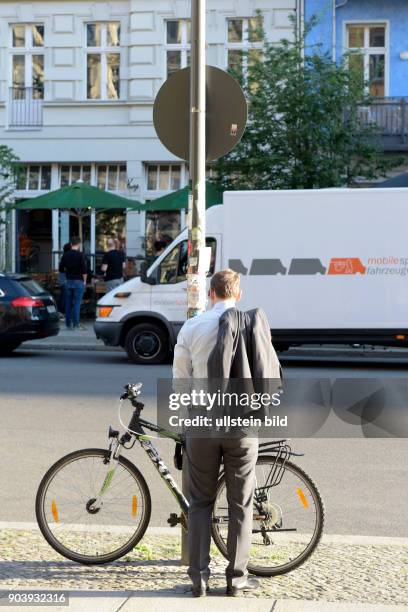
(288, 518)
(64, 507)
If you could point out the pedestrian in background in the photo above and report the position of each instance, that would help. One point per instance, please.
(62, 279)
(73, 264)
(113, 265)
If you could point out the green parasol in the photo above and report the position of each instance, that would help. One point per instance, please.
(79, 199)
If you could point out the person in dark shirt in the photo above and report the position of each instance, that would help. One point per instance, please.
(73, 264)
(62, 279)
(113, 264)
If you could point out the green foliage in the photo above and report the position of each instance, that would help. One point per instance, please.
(304, 129)
(9, 171)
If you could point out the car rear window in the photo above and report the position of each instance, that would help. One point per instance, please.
(31, 286)
(6, 289)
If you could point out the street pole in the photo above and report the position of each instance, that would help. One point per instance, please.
(196, 273)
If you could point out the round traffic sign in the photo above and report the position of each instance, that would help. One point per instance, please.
(226, 113)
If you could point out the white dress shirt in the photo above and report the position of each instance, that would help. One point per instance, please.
(195, 341)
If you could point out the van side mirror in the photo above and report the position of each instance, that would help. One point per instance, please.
(151, 279)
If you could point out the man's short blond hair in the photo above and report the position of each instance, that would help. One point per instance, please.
(225, 284)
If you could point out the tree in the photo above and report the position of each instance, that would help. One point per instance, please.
(304, 126)
(8, 173)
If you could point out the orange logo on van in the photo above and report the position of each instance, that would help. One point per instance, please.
(346, 265)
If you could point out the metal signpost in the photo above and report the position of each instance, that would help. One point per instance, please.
(199, 114)
(196, 272)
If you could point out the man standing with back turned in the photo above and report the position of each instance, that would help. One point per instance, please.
(113, 265)
(214, 344)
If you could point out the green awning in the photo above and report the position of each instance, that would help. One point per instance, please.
(179, 199)
(78, 196)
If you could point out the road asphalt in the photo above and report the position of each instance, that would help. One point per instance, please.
(354, 459)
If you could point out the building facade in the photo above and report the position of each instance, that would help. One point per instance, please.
(78, 80)
(373, 34)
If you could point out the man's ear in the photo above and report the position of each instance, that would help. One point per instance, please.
(239, 295)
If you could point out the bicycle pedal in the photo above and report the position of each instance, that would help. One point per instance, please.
(173, 520)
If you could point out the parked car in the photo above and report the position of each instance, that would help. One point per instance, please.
(27, 312)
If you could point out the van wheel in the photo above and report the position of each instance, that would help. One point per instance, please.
(146, 343)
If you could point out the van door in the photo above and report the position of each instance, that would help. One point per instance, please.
(169, 294)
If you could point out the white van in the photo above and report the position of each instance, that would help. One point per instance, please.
(327, 266)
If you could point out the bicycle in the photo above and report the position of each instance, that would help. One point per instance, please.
(93, 506)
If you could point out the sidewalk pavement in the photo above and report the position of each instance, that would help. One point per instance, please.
(345, 574)
(71, 340)
(92, 601)
(86, 340)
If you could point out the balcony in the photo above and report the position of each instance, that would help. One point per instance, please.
(25, 107)
(391, 117)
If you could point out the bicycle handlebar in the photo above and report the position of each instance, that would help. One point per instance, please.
(132, 391)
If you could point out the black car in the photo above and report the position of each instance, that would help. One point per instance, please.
(27, 312)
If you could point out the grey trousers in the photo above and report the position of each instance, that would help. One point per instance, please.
(204, 460)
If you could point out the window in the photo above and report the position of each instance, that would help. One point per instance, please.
(111, 177)
(34, 177)
(31, 286)
(27, 60)
(103, 61)
(72, 173)
(210, 173)
(164, 177)
(244, 43)
(110, 224)
(173, 268)
(161, 225)
(178, 43)
(366, 43)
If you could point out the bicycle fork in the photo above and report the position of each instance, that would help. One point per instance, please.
(94, 505)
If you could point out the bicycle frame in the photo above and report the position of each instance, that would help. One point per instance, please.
(280, 448)
(136, 427)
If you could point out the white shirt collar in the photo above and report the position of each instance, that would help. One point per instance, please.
(224, 305)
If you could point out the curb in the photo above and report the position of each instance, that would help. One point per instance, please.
(33, 346)
(157, 601)
(322, 355)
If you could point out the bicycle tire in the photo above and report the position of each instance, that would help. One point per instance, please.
(291, 565)
(60, 548)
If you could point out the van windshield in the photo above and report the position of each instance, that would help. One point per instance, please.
(173, 268)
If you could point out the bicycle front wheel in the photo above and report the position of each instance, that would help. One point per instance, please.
(69, 522)
(287, 522)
